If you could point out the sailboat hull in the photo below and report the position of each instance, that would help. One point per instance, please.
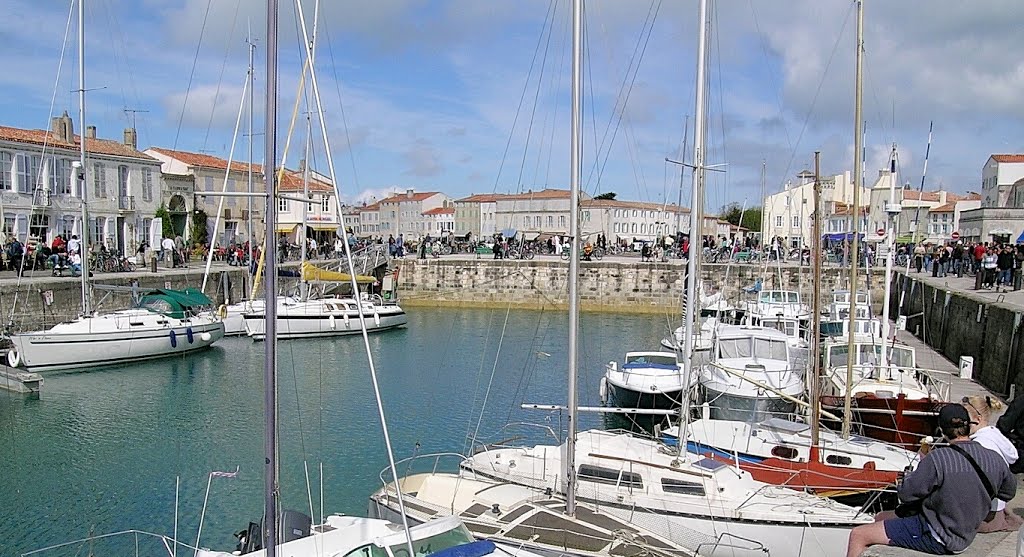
(325, 318)
(898, 420)
(114, 338)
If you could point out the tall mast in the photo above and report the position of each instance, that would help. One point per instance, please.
(858, 129)
(270, 255)
(248, 222)
(696, 221)
(764, 226)
(83, 248)
(303, 285)
(682, 172)
(575, 171)
(813, 386)
(892, 210)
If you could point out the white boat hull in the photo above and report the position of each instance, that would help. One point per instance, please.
(114, 338)
(324, 318)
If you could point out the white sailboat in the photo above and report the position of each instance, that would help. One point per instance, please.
(168, 322)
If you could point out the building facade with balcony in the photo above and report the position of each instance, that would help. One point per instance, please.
(40, 196)
(787, 214)
(211, 174)
(638, 221)
(320, 213)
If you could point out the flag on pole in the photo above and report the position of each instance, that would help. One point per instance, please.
(221, 474)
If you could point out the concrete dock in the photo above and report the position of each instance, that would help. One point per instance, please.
(19, 381)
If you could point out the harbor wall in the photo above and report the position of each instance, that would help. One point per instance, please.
(613, 286)
(45, 301)
(957, 323)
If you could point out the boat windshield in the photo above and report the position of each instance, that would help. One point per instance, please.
(752, 348)
(423, 547)
(652, 359)
(901, 357)
(427, 546)
(837, 356)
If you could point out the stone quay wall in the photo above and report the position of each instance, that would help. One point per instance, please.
(957, 323)
(615, 286)
(31, 309)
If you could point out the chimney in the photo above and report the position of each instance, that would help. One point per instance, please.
(90, 132)
(55, 127)
(409, 192)
(130, 138)
(302, 165)
(67, 128)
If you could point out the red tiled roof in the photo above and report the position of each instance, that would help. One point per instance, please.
(292, 181)
(206, 161)
(440, 211)
(400, 197)
(542, 194)
(921, 196)
(947, 208)
(371, 207)
(617, 203)
(1008, 158)
(45, 137)
(482, 198)
(844, 209)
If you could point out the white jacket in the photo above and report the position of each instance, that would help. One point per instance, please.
(994, 440)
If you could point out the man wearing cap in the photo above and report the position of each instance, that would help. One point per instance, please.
(953, 498)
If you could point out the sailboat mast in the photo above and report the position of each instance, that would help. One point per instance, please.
(303, 285)
(858, 146)
(83, 248)
(696, 220)
(270, 346)
(248, 222)
(682, 172)
(575, 171)
(892, 210)
(813, 385)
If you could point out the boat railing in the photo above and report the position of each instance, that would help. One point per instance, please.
(413, 465)
(505, 440)
(720, 543)
(139, 542)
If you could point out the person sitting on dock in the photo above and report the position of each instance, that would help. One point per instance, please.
(945, 500)
(983, 409)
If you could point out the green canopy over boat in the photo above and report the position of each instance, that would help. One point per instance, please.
(175, 303)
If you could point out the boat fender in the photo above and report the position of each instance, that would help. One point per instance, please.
(222, 311)
(174, 340)
(206, 337)
(189, 335)
(13, 357)
(604, 390)
(345, 317)
(333, 321)
(376, 318)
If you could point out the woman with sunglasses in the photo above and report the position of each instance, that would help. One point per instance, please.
(984, 410)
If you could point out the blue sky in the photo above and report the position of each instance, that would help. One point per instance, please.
(430, 90)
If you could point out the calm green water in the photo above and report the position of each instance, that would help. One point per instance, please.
(99, 451)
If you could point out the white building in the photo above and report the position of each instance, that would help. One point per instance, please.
(997, 179)
(369, 220)
(208, 174)
(403, 213)
(636, 220)
(40, 196)
(440, 221)
(320, 213)
(536, 212)
(787, 213)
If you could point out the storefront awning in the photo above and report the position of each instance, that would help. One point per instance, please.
(531, 236)
(325, 226)
(286, 227)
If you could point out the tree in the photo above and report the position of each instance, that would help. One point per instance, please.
(200, 235)
(166, 230)
(608, 196)
(749, 218)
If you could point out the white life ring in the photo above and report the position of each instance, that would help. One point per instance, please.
(13, 357)
(222, 311)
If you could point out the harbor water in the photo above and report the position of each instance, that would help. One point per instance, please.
(101, 450)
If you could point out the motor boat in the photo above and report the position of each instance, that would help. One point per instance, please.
(652, 380)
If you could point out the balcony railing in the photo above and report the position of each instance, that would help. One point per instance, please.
(126, 203)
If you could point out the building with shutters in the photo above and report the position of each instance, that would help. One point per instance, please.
(41, 197)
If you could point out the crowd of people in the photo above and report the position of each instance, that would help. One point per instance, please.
(961, 484)
(997, 265)
(62, 254)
